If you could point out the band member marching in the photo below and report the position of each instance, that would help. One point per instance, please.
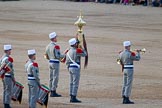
(32, 70)
(126, 59)
(7, 75)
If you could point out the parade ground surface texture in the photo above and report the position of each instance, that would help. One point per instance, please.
(26, 25)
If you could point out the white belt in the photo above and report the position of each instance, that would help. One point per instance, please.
(129, 66)
(7, 74)
(31, 78)
(74, 64)
(54, 59)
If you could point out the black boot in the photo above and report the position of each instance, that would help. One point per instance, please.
(127, 101)
(7, 106)
(124, 99)
(54, 94)
(74, 99)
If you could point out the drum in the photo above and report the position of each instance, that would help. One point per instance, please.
(2, 73)
(43, 95)
(17, 92)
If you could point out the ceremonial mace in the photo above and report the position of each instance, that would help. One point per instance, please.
(81, 37)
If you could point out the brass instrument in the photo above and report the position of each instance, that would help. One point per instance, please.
(64, 58)
(118, 61)
(46, 56)
(143, 50)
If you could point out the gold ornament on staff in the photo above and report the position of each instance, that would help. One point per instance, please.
(80, 23)
(81, 37)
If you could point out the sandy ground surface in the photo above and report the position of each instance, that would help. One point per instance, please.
(26, 25)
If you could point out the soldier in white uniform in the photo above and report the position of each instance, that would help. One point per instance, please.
(32, 70)
(53, 55)
(126, 58)
(73, 57)
(6, 64)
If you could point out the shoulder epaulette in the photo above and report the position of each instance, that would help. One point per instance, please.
(133, 53)
(10, 59)
(79, 50)
(57, 47)
(35, 64)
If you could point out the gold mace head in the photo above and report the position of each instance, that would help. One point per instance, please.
(80, 23)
